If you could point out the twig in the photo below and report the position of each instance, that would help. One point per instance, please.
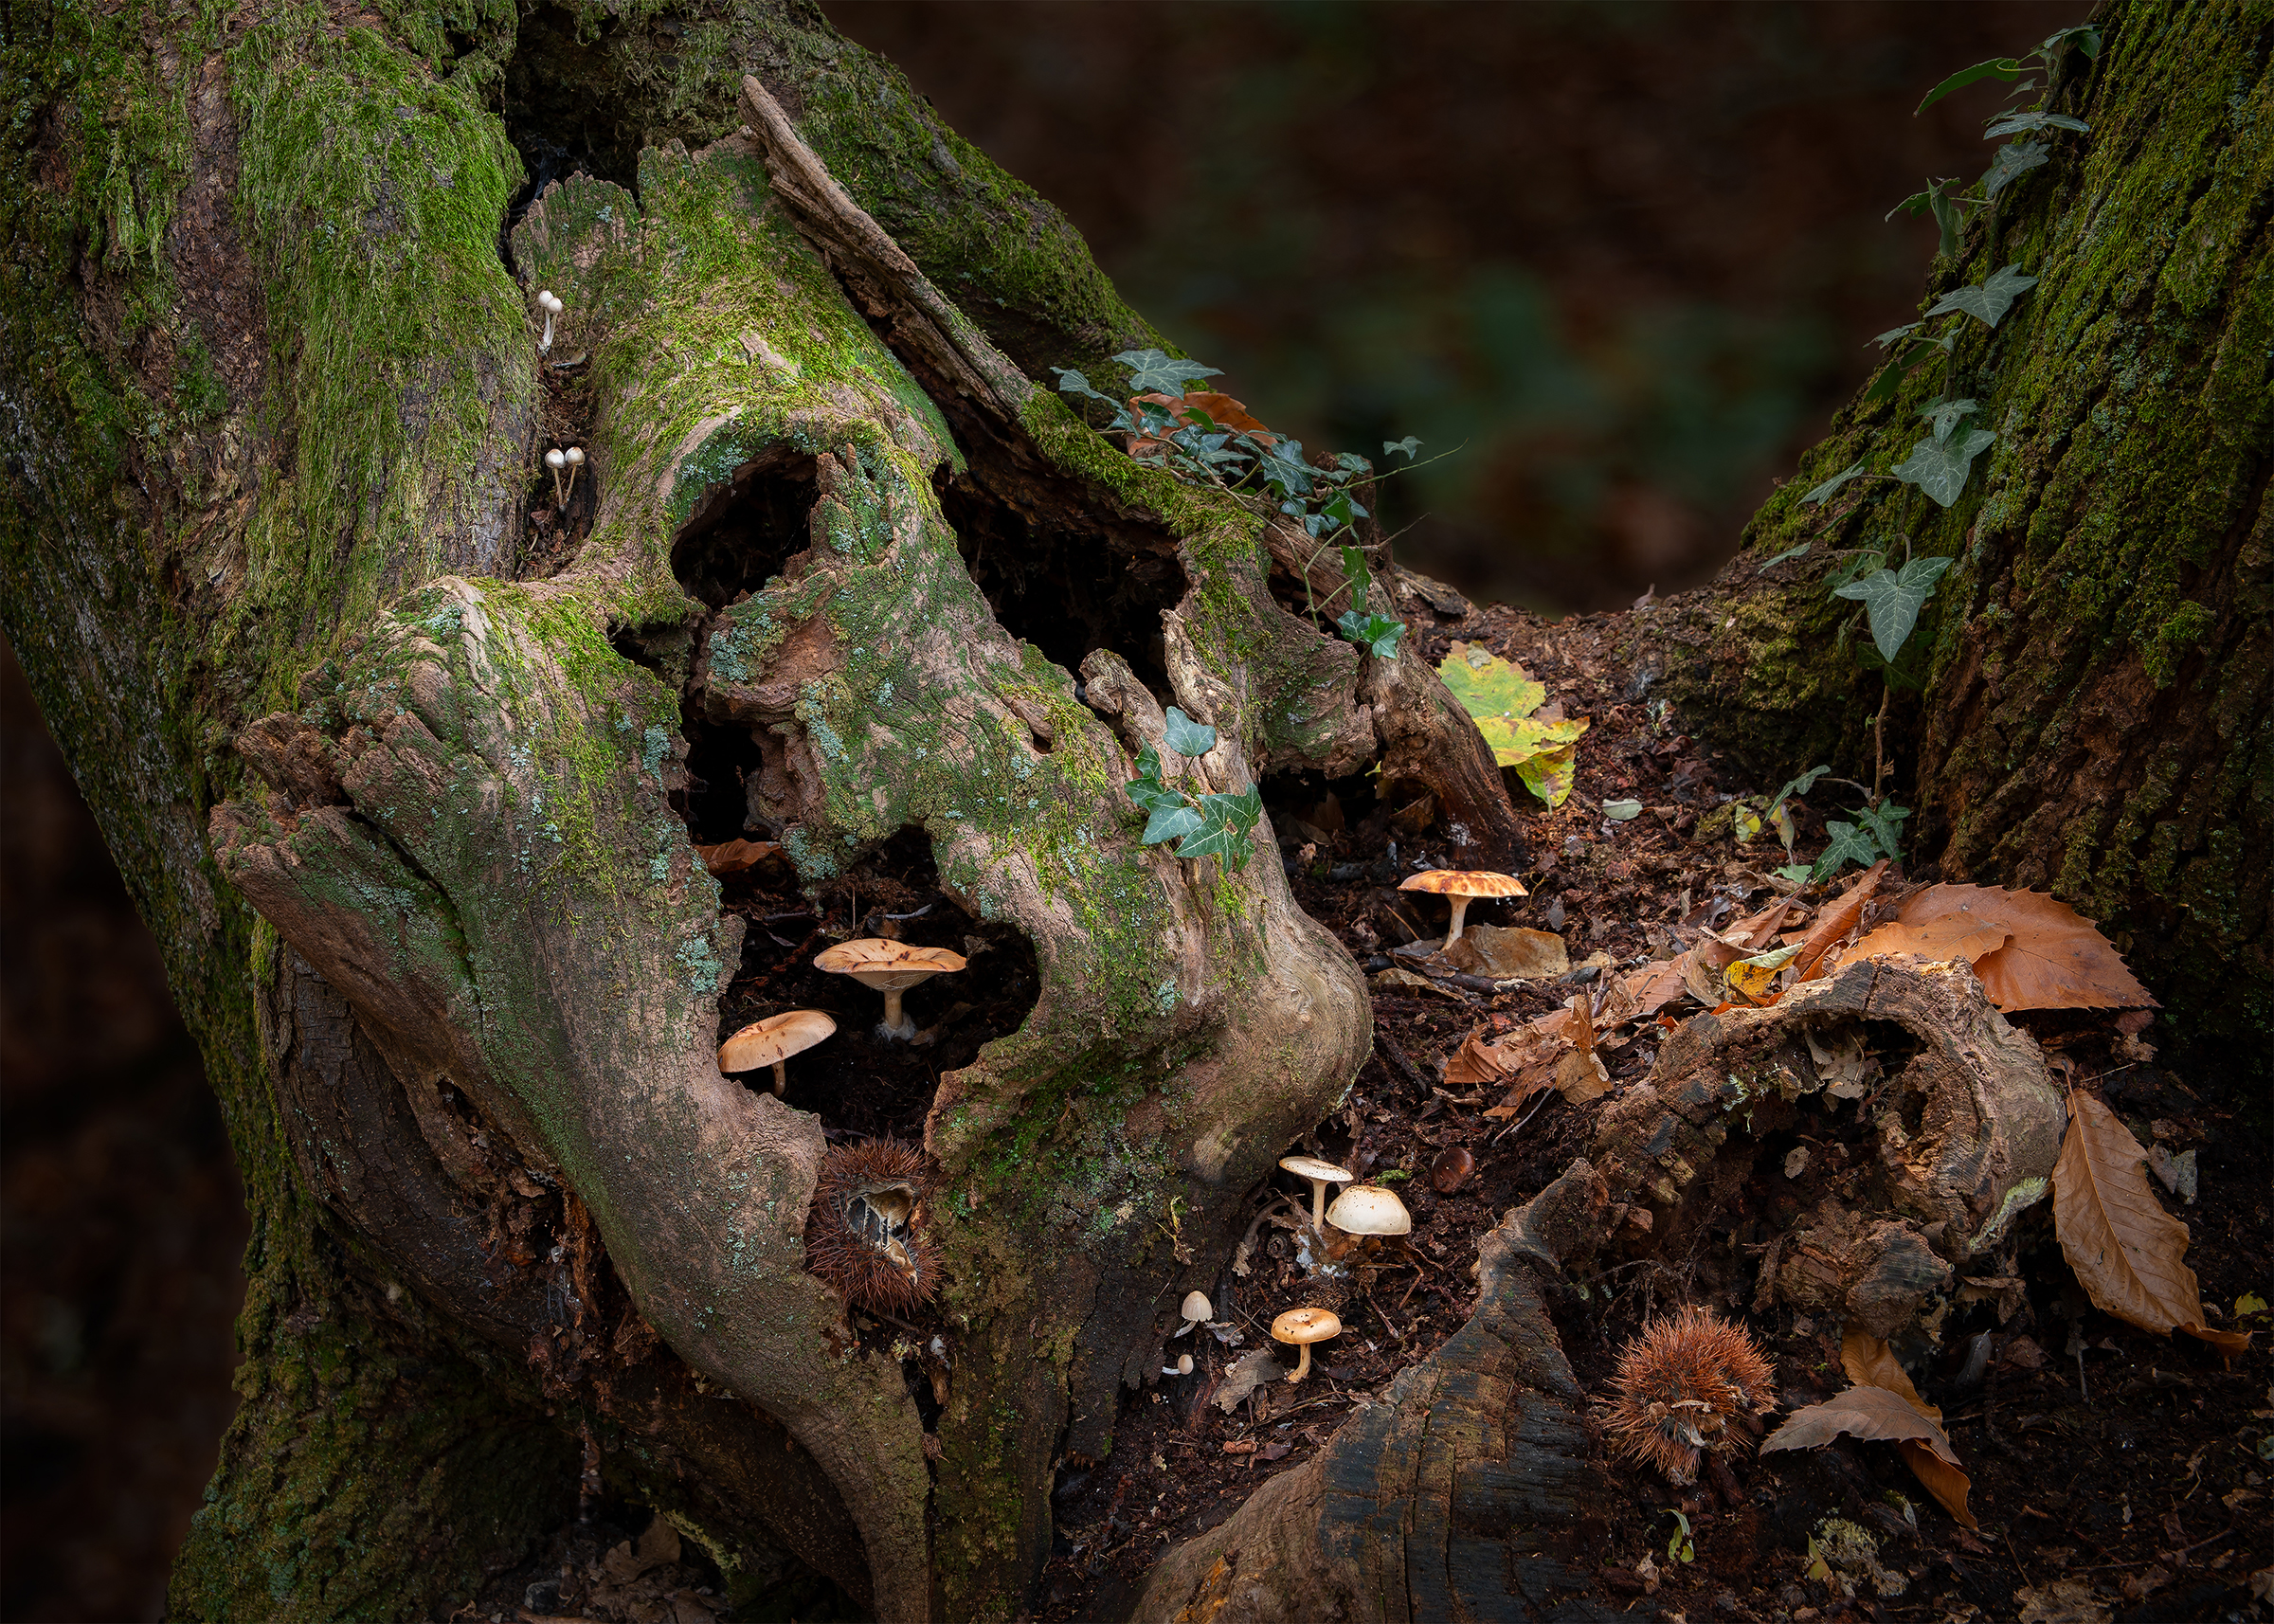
(1395, 1057)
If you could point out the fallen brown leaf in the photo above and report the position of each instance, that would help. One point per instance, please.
(1870, 1363)
(1838, 919)
(1651, 987)
(2125, 1248)
(1474, 1065)
(734, 856)
(2055, 959)
(1862, 1412)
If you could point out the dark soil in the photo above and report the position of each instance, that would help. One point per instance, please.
(2128, 1463)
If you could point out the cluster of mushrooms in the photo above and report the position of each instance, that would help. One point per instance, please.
(1360, 1216)
(891, 968)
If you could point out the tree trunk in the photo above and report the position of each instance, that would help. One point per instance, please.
(402, 779)
(2097, 712)
(400, 744)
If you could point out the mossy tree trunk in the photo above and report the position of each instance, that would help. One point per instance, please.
(399, 776)
(2091, 700)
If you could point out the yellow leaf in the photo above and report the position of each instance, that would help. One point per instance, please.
(1501, 699)
(1550, 774)
(1755, 978)
(2249, 1303)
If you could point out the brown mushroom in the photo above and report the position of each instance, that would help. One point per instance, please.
(1301, 1327)
(772, 1041)
(892, 968)
(1366, 1213)
(1460, 887)
(1320, 1174)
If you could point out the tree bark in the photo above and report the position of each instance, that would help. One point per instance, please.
(401, 777)
(2097, 718)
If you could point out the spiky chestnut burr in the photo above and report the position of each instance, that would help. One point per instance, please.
(1676, 1386)
(865, 1231)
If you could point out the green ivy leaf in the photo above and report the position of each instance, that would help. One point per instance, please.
(1894, 333)
(1239, 812)
(1939, 467)
(1154, 371)
(1850, 844)
(1947, 415)
(1854, 470)
(1410, 446)
(2083, 36)
(1989, 302)
(1377, 634)
(1072, 383)
(2011, 164)
(1167, 823)
(1883, 823)
(1788, 554)
(1185, 737)
(2030, 123)
(1893, 598)
(2004, 68)
(1152, 796)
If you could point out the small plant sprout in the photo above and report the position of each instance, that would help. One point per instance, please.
(1196, 1310)
(575, 454)
(551, 307)
(557, 459)
(1320, 1174)
(1300, 1328)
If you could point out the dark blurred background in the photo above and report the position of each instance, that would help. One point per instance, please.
(1629, 257)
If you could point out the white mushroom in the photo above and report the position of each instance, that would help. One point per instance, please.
(1320, 1174)
(551, 307)
(1182, 1367)
(1195, 1309)
(557, 459)
(576, 457)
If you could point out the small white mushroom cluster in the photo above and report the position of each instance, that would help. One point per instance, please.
(572, 460)
(551, 307)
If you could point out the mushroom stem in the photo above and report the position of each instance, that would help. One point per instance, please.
(897, 1023)
(781, 1076)
(1318, 1204)
(1460, 907)
(1303, 1362)
(545, 343)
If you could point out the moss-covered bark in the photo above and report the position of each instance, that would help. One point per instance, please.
(275, 401)
(2098, 711)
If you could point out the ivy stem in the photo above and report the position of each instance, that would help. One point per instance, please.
(1878, 740)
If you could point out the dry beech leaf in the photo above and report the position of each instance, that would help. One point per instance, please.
(734, 856)
(2125, 1248)
(1861, 1413)
(2056, 960)
(1870, 1363)
(1474, 1065)
(1838, 919)
(1952, 936)
(1653, 988)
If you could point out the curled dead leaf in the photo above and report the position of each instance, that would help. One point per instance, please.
(1840, 917)
(1860, 1413)
(1870, 1363)
(735, 857)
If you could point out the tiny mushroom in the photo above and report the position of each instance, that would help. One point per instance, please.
(1461, 887)
(551, 307)
(575, 456)
(1182, 1367)
(1303, 1327)
(1320, 1174)
(1369, 1209)
(1196, 1308)
(892, 968)
(557, 459)
(772, 1041)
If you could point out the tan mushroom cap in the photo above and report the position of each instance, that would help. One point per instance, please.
(771, 1041)
(1303, 1327)
(1463, 885)
(1369, 1209)
(1196, 1308)
(1320, 1174)
(892, 968)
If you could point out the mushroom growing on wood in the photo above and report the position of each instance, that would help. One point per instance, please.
(1320, 1174)
(551, 307)
(892, 968)
(1196, 1310)
(1303, 1327)
(1461, 887)
(772, 1041)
